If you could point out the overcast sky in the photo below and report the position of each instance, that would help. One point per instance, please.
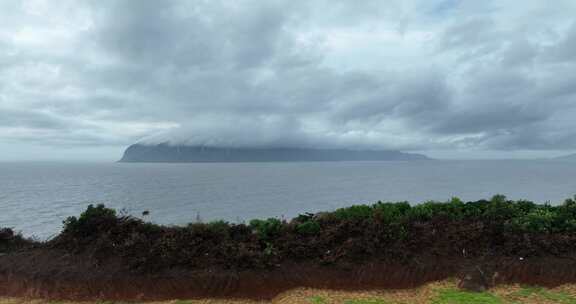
(464, 79)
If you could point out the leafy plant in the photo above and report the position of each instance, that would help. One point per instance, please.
(499, 209)
(10, 240)
(391, 212)
(453, 209)
(90, 220)
(309, 227)
(218, 226)
(266, 229)
(538, 220)
(357, 212)
(269, 249)
(304, 217)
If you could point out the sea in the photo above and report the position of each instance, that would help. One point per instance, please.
(35, 197)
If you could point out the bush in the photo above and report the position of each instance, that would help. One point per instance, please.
(266, 229)
(524, 207)
(538, 220)
(309, 227)
(391, 212)
(301, 218)
(353, 213)
(500, 209)
(90, 221)
(356, 231)
(215, 229)
(218, 226)
(475, 209)
(568, 209)
(454, 209)
(6, 234)
(565, 219)
(9, 240)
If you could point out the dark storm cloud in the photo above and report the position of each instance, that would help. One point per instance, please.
(401, 74)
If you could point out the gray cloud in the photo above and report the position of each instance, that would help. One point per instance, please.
(563, 51)
(401, 74)
(30, 119)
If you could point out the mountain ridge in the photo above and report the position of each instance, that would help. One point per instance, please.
(567, 157)
(183, 154)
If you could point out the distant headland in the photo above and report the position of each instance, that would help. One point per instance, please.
(181, 153)
(567, 157)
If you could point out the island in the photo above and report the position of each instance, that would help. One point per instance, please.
(571, 157)
(181, 153)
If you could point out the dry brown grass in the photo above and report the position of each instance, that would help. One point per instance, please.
(424, 294)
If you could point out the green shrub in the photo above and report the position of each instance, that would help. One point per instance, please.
(146, 227)
(500, 209)
(90, 220)
(524, 207)
(568, 209)
(309, 227)
(396, 231)
(422, 212)
(475, 209)
(10, 240)
(301, 218)
(270, 249)
(453, 209)
(538, 220)
(566, 216)
(218, 226)
(391, 212)
(357, 212)
(215, 229)
(391, 219)
(570, 203)
(266, 229)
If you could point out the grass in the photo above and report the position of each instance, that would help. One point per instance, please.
(444, 292)
(376, 301)
(528, 292)
(317, 300)
(453, 296)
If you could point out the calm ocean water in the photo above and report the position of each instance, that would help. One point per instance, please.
(36, 197)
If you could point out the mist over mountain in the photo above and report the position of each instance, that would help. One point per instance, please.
(182, 153)
(568, 157)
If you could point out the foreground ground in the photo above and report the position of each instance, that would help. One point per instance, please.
(445, 292)
(103, 254)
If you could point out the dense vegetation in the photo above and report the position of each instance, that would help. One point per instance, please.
(382, 231)
(10, 241)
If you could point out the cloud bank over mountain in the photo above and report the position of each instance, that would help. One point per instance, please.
(409, 75)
